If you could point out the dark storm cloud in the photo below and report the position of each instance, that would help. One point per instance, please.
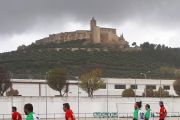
(19, 16)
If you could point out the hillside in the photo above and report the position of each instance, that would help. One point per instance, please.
(36, 59)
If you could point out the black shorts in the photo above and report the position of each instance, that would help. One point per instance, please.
(161, 119)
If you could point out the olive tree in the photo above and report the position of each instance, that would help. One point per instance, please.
(177, 83)
(5, 80)
(12, 92)
(57, 80)
(91, 81)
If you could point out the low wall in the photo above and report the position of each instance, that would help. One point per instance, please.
(85, 106)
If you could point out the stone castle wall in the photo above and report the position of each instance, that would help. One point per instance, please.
(108, 30)
(67, 36)
(95, 35)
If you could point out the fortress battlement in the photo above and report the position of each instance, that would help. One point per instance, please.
(95, 35)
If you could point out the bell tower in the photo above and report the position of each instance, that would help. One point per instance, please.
(93, 23)
(95, 31)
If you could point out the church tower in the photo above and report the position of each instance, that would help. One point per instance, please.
(95, 31)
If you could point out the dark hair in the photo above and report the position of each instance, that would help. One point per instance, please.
(161, 102)
(66, 105)
(14, 108)
(139, 104)
(29, 107)
(148, 106)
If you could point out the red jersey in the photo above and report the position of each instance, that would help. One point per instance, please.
(163, 112)
(16, 116)
(69, 114)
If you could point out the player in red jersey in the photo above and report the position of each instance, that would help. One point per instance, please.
(69, 115)
(163, 111)
(16, 115)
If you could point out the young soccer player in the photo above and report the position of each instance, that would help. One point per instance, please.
(16, 115)
(28, 110)
(135, 116)
(148, 112)
(163, 111)
(69, 115)
(138, 113)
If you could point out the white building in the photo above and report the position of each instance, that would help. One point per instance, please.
(114, 87)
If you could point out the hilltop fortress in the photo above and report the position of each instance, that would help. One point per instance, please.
(96, 35)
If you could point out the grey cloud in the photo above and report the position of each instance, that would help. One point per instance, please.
(21, 17)
(17, 16)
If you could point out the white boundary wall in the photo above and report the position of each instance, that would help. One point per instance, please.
(86, 105)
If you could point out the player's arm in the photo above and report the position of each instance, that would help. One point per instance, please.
(69, 118)
(17, 118)
(159, 113)
(165, 112)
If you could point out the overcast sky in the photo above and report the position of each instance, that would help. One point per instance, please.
(25, 21)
